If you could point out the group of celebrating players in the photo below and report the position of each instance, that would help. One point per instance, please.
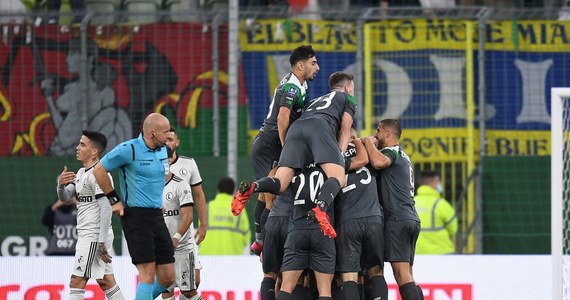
(332, 207)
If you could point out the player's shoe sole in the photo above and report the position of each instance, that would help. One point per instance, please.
(244, 192)
(320, 217)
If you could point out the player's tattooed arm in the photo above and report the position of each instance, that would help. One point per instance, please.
(103, 253)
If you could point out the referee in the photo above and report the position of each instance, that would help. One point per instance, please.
(143, 164)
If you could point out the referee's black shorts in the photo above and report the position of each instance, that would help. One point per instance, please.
(147, 236)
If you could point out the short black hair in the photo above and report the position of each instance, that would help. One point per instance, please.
(338, 80)
(226, 185)
(393, 125)
(428, 175)
(173, 130)
(301, 53)
(98, 140)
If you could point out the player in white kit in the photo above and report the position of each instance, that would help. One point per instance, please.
(177, 206)
(187, 169)
(94, 231)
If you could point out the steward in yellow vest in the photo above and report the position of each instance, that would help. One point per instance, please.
(227, 235)
(439, 223)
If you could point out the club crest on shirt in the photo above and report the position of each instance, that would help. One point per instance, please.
(183, 172)
(169, 196)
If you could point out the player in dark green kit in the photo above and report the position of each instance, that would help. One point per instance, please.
(396, 189)
(286, 106)
(359, 224)
(320, 135)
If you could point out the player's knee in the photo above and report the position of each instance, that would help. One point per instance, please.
(167, 279)
(375, 271)
(106, 283)
(271, 275)
(349, 277)
(77, 282)
(189, 294)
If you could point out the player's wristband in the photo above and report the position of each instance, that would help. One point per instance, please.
(113, 197)
(177, 236)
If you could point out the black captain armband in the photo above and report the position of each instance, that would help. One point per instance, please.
(113, 197)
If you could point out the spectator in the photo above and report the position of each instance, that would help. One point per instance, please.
(61, 220)
(227, 235)
(439, 224)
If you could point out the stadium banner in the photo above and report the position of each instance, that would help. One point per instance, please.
(130, 72)
(450, 144)
(445, 277)
(418, 69)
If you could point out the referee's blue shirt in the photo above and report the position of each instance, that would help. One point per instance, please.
(142, 172)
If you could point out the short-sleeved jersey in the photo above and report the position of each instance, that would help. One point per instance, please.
(396, 184)
(331, 107)
(177, 194)
(289, 93)
(142, 172)
(283, 205)
(87, 192)
(305, 187)
(187, 169)
(359, 198)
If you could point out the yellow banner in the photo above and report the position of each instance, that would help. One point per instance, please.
(450, 144)
(286, 34)
(530, 36)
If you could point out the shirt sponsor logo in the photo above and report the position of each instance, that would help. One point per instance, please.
(84, 199)
(171, 213)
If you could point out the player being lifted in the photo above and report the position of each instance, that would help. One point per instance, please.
(320, 135)
(286, 107)
(177, 205)
(94, 231)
